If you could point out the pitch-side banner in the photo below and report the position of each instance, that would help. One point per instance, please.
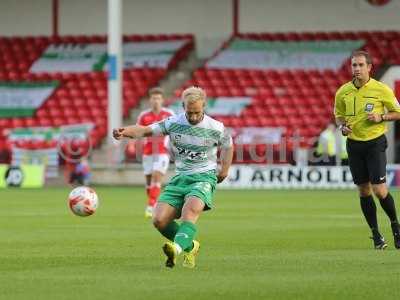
(291, 177)
(24, 176)
(46, 157)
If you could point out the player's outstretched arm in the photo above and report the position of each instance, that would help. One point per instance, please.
(133, 132)
(226, 161)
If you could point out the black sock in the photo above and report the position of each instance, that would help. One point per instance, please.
(389, 208)
(368, 208)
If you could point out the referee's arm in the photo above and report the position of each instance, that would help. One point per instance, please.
(389, 116)
(340, 111)
(392, 106)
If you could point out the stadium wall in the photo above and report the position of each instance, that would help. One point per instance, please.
(254, 177)
(209, 20)
(317, 15)
(24, 17)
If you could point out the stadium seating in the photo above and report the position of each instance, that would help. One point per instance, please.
(80, 97)
(298, 98)
(397, 89)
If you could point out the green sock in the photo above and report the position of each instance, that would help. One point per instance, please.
(170, 231)
(184, 236)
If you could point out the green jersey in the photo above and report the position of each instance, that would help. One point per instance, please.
(194, 147)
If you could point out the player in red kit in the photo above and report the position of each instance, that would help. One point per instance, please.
(155, 149)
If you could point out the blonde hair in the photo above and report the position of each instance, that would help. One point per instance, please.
(193, 94)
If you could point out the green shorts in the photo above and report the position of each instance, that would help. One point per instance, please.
(201, 185)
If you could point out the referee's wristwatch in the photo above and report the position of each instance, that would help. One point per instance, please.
(383, 118)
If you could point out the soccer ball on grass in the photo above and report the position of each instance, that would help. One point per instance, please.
(83, 201)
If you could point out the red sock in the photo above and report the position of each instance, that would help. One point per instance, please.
(155, 191)
(149, 198)
(148, 190)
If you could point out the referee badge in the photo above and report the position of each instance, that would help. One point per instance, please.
(369, 107)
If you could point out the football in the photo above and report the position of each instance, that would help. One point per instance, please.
(83, 201)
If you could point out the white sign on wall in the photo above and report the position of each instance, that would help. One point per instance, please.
(288, 177)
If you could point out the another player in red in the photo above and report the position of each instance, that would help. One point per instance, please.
(155, 149)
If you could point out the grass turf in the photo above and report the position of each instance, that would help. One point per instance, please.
(254, 245)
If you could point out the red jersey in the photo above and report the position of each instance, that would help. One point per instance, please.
(154, 145)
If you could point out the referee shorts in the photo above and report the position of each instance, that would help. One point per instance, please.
(367, 160)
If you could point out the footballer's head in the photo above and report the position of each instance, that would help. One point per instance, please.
(156, 98)
(361, 65)
(194, 102)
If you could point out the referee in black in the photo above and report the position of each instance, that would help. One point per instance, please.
(363, 106)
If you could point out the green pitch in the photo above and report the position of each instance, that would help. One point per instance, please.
(254, 245)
